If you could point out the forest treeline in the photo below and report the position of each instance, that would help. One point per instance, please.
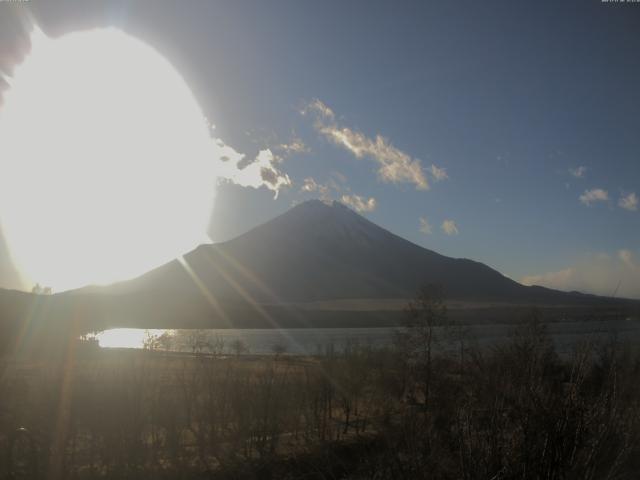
(431, 406)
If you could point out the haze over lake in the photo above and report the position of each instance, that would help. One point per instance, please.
(312, 341)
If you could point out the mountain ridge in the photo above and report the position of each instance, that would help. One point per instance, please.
(301, 255)
(298, 270)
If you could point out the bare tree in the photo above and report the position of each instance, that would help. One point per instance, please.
(419, 337)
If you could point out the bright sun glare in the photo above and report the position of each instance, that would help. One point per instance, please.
(105, 161)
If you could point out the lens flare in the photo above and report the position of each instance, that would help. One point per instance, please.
(106, 161)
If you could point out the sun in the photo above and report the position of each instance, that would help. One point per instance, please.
(105, 161)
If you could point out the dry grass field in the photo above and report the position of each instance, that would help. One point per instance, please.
(405, 411)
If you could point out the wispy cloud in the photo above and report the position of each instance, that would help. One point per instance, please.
(629, 202)
(340, 177)
(336, 188)
(438, 173)
(578, 172)
(424, 226)
(358, 203)
(394, 165)
(309, 185)
(601, 274)
(449, 227)
(626, 256)
(316, 106)
(295, 147)
(594, 195)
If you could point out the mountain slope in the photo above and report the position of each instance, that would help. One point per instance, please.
(319, 251)
(293, 271)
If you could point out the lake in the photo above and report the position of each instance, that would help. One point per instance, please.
(309, 341)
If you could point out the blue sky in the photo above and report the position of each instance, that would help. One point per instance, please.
(507, 97)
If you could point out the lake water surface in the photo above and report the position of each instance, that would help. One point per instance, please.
(311, 341)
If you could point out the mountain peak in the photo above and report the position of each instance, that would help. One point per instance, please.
(329, 221)
(324, 250)
(320, 204)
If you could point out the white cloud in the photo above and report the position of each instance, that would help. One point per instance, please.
(331, 190)
(578, 172)
(558, 280)
(259, 172)
(309, 185)
(358, 203)
(449, 227)
(594, 195)
(424, 226)
(626, 257)
(394, 165)
(598, 274)
(629, 202)
(438, 173)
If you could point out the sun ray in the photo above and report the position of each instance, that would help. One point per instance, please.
(209, 297)
(250, 300)
(246, 272)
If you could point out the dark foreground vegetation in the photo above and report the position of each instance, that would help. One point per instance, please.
(432, 407)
